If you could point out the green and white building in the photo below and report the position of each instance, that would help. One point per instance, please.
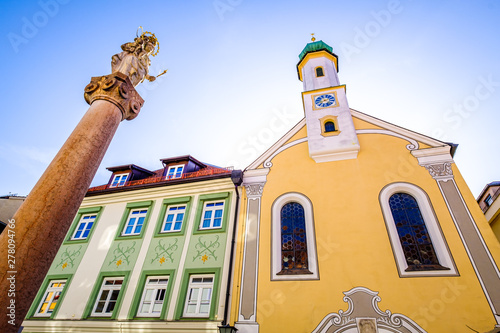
(150, 251)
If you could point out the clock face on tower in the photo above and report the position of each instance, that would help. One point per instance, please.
(324, 100)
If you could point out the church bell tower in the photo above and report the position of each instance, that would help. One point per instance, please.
(330, 129)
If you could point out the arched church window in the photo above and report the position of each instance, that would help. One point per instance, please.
(294, 259)
(293, 242)
(329, 126)
(413, 235)
(319, 72)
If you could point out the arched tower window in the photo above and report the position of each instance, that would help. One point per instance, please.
(319, 72)
(293, 239)
(329, 127)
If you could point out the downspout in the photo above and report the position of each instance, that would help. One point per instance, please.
(237, 178)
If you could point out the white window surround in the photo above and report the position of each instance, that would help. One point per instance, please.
(113, 287)
(199, 296)
(153, 296)
(276, 237)
(433, 228)
(213, 212)
(119, 180)
(174, 212)
(135, 221)
(175, 171)
(82, 230)
(50, 298)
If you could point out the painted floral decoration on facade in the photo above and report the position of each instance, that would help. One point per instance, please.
(68, 257)
(205, 249)
(122, 254)
(164, 252)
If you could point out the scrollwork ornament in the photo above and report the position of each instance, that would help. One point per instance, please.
(363, 304)
(268, 164)
(108, 83)
(117, 89)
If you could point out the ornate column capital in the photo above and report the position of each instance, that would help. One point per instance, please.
(254, 190)
(440, 171)
(254, 181)
(436, 160)
(117, 89)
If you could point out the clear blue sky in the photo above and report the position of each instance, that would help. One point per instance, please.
(232, 87)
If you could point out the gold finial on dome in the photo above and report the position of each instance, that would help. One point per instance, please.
(312, 37)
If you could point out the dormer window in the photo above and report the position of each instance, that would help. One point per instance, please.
(119, 180)
(175, 171)
(319, 72)
(488, 200)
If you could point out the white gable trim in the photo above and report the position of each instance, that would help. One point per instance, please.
(411, 136)
(399, 130)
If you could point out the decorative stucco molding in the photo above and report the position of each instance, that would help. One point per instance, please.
(364, 315)
(441, 171)
(413, 144)
(254, 190)
(437, 161)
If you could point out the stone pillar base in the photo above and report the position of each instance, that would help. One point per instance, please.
(247, 327)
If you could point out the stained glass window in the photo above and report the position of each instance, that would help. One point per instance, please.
(293, 240)
(329, 126)
(413, 235)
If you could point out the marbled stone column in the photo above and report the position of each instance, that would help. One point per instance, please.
(42, 222)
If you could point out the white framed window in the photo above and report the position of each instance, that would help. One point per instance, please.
(50, 298)
(175, 171)
(212, 215)
(432, 228)
(174, 218)
(199, 296)
(153, 296)
(84, 226)
(135, 222)
(488, 200)
(279, 253)
(119, 180)
(107, 297)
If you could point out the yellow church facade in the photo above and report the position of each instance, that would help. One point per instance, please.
(352, 224)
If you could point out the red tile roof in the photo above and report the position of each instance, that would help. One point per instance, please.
(158, 177)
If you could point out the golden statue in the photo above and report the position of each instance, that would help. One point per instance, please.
(134, 60)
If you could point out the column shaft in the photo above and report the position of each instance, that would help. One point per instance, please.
(42, 221)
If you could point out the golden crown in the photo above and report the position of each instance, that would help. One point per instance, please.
(151, 36)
